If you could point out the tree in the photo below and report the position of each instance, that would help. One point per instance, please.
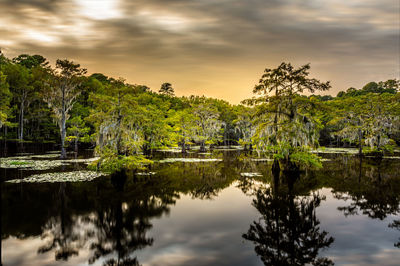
(24, 79)
(207, 124)
(383, 118)
(118, 129)
(61, 95)
(113, 118)
(5, 97)
(396, 225)
(369, 118)
(20, 80)
(166, 89)
(284, 122)
(371, 87)
(5, 94)
(153, 121)
(390, 85)
(76, 130)
(245, 127)
(183, 126)
(31, 61)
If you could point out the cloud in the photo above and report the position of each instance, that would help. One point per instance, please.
(223, 45)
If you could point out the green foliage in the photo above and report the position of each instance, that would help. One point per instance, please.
(207, 124)
(5, 97)
(111, 162)
(31, 61)
(184, 126)
(166, 89)
(39, 103)
(368, 119)
(286, 121)
(244, 124)
(306, 158)
(77, 131)
(391, 86)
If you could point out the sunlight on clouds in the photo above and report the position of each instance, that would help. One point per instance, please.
(6, 43)
(99, 9)
(164, 21)
(43, 38)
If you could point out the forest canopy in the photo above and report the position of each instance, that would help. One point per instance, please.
(125, 122)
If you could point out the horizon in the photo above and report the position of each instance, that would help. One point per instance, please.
(218, 50)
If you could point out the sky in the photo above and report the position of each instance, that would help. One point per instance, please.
(215, 48)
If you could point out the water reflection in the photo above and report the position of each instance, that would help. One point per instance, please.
(110, 221)
(59, 232)
(372, 188)
(288, 232)
(121, 227)
(396, 225)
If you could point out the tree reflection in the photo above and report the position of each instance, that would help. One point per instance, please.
(372, 187)
(288, 231)
(374, 191)
(396, 225)
(121, 226)
(59, 231)
(116, 227)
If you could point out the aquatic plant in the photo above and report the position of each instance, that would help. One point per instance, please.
(75, 176)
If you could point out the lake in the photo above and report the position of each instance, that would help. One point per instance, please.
(219, 208)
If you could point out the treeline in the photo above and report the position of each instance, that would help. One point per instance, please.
(62, 104)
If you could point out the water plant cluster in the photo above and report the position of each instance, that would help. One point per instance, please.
(75, 176)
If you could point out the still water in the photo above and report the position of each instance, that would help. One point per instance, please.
(231, 211)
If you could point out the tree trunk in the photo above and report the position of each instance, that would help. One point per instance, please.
(76, 144)
(101, 137)
(183, 146)
(360, 142)
(21, 122)
(379, 142)
(62, 126)
(360, 170)
(63, 135)
(145, 147)
(225, 136)
(202, 146)
(276, 168)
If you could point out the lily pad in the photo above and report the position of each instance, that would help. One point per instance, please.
(336, 150)
(45, 162)
(250, 174)
(146, 173)
(175, 150)
(76, 176)
(87, 161)
(45, 156)
(31, 164)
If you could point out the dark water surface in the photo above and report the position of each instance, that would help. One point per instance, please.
(208, 213)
